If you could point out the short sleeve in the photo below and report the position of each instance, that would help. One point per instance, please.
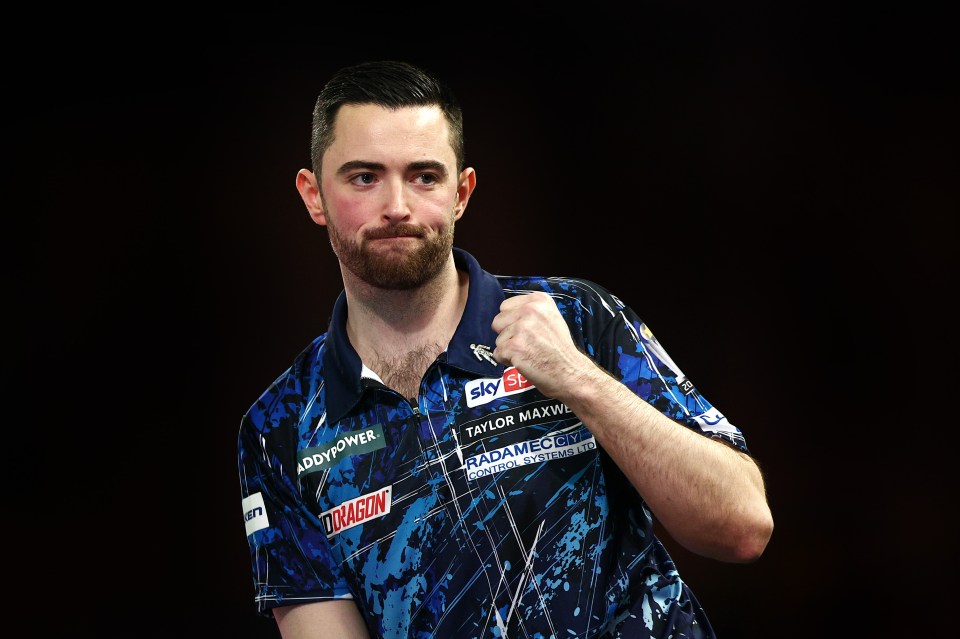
(626, 347)
(290, 554)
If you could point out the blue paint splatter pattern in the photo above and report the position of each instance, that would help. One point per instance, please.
(485, 510)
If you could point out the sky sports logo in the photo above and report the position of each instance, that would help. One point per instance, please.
(487, 389)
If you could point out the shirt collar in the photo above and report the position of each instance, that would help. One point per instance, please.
(345, 376)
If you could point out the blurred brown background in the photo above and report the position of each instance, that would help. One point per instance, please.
(775, 192)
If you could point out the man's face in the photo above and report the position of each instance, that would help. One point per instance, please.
(389, 185)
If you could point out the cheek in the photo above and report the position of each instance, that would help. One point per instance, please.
(438, 207)
(347, 211)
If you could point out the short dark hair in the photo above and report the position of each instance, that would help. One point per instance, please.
(389, 84)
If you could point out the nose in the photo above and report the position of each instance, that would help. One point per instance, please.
(398, 205)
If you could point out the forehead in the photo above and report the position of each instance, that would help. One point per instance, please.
(373, 133)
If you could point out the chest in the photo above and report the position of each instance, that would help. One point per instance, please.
(485, 480)
(391, 468)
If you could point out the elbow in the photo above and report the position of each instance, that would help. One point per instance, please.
(741, 540)
(752, 539)
(752, 528)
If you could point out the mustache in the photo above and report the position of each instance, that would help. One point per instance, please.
(398, 230)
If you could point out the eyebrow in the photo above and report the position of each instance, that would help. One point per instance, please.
(422, 165)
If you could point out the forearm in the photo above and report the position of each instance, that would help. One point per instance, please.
(334, 618)
(709, 496)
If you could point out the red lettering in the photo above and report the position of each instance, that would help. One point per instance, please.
(351, 517)
(355, 511)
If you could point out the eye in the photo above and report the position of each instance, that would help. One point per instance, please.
(428, 179)
(363, 179)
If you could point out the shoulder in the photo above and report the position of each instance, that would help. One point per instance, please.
(290, 391)
(572, 294)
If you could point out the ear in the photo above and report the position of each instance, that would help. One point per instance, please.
(310, 192)
(465, 185)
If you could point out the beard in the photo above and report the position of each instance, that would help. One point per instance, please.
(394, 269)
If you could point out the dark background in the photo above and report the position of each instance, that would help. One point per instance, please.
(775, 191)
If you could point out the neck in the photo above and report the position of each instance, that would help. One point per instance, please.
(389, 327)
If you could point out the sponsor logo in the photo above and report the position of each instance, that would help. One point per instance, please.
(310, 460)
(714, 421)
(534, 451)
(356, 511)
(486, 389)
(645, 331)
(531, 414)
(254, 514)
(653, 346)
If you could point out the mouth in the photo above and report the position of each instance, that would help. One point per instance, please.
(391, 238)
(394, 233)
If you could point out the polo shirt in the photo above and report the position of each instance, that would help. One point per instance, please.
(485, 509)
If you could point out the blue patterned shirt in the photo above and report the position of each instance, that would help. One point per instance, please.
(486, 510)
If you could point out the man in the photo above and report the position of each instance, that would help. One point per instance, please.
(469, 455)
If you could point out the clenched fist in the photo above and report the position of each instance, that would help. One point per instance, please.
(533, 336)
